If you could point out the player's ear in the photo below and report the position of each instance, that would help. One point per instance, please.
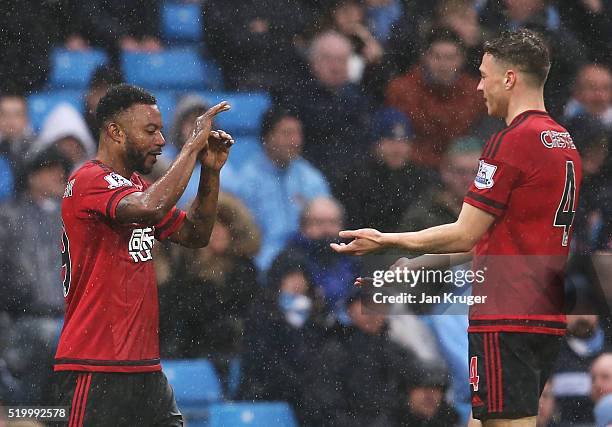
(509, 79)
(115, 132)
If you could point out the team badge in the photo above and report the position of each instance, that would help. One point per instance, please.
(484, 177)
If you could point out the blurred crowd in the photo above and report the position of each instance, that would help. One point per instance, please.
(376, 122)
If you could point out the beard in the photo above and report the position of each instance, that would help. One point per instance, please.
(135, 160)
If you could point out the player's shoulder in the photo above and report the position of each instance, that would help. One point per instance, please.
(522, 136)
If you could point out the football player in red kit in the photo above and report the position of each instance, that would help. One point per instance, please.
(515, 223)
(107, 362)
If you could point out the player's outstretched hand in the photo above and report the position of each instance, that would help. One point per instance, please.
(203, 125)
(215, 155)
(365, 241)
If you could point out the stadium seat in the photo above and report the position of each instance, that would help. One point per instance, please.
(41, 104)
(171, 69)
(246, 113)
(245, 148)
(73, 69)
(181, 22)
(195, 383)
(247, 414)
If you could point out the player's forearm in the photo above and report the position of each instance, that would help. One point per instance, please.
(203, 211)
(442, 239)
(162, 195)
(438, 261)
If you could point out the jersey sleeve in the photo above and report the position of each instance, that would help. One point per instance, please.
(170, 223)
(493, 185)
(101, 192)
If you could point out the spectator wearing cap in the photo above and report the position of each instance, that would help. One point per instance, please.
(422, 401)
(356, 378)
(29, 264)
(277, 186)
(387, 181)
(438, 96)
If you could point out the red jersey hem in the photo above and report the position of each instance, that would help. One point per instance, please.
(517, 328)
(92, 368)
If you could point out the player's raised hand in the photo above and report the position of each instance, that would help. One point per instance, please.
(219, 144)
(365, 241)
(203, 125)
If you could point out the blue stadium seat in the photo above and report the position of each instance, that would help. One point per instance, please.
(247, 414)
(195, 384)
(246, 147)
(178, 69)
(246, 114)
(41, 104)
(73, 69)
(181, 22)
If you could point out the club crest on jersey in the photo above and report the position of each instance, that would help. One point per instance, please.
(141, 244)
(115, 181)
(484, 177)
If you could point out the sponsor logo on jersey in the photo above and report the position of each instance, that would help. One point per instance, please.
(554, 139)
(115, 181)
(141, 244)
(484, 177)
(68, 190)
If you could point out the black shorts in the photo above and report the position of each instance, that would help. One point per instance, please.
(508, 371)
(116, 399)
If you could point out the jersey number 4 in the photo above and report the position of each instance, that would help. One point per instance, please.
(474, 378)
(66, 266)
(566, 211)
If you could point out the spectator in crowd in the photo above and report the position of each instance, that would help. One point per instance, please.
(601, 376)
(592, 139)
(204, 301)
(546, 408)
(387, 180)
(571, 381)
(382, 16)
(65, 129)
(259, 52)
(438, 96)
(334, 112)
(332, 274)
(592, 94)
(16, 134)
(591, 22)
(283, 334)
(457, 171)
(128, 25)
(348, 17)
(422, 402)
(538, 15)
(355, 379)
(102, 79)
(31, 228)
(277, 186)
(461, 17)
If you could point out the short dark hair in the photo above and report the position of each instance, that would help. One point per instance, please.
(442, 34)
(119, 98)
(524, 49)
(273, 116)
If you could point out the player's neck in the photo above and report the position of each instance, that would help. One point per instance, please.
(526, 102)
(113, 161)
